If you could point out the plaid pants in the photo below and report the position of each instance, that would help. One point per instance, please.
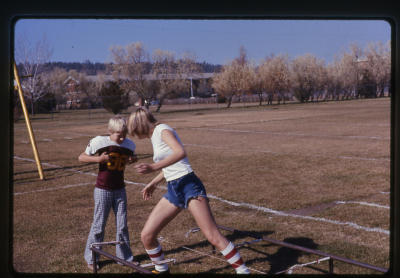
(104, 200)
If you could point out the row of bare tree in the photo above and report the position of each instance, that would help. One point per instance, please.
(353, 74)
(169, 76)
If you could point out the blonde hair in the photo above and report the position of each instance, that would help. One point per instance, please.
(141, 122)
(117, 124)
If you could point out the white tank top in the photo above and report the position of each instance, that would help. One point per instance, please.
(162, 150)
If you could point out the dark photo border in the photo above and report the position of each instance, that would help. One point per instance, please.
(12, 11)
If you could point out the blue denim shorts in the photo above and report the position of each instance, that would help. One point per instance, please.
(181, 190)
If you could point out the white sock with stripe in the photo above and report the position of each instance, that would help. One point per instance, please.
(234, 258)
(157, 255)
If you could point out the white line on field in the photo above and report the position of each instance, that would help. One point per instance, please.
(364, 158)
(319, 219)
(363, 203)
(283, 153)
(246, 205)
(293, 134)
(53, 188)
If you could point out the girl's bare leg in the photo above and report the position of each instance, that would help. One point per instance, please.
(201, 212)
(161, 215)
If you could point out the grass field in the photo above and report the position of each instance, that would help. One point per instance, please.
(316, 175)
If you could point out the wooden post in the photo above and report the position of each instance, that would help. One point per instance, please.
(28, 123)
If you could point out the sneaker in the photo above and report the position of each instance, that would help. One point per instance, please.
(90, 266)
(160, 272)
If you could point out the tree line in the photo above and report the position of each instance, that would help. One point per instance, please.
(140, 76)
(356, 73)
(95, 68)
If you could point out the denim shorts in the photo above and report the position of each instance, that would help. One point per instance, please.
(182, 189)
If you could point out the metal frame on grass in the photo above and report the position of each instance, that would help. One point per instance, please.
(137, 267)
(325, 256)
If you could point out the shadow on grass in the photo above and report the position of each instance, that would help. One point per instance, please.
(279, 261)
(286, 257)
(235, 236)
(54, 173)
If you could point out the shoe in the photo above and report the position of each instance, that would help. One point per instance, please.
(160, 272)
(90, 266)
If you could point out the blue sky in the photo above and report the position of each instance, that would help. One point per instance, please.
(213, 41)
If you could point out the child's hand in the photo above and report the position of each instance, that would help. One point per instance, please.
(144, 168)
(103, 158)
(147, 192)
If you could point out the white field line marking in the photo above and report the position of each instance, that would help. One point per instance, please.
(280, 213)
(74, 134)
(292, 118)
(293, 134)
(246, 205)
(363, 204)
(364, 158)
(283, 153)
(54, 188)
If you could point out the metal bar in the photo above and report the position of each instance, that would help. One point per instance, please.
(112, 257)
(248, 242)
(323, 254)
(94, 261)
(159, 262)
(330, 266)
(28, 123)
(107, 243)
(308, 250)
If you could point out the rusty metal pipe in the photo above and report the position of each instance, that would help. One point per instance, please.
(112, 257)
(94, 262)
(330, 266)
(308, 250)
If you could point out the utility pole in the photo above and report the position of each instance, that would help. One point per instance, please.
(191, 88)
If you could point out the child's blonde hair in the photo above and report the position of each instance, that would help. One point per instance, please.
(117, 124)
(140, 122)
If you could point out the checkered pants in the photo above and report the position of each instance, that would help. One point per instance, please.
(104, 200)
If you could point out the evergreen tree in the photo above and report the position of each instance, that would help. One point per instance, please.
(114, 98)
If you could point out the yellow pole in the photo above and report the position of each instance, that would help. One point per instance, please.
(28, 123)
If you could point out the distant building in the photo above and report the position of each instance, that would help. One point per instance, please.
(194, 76)
(74, 97)
(72, 93)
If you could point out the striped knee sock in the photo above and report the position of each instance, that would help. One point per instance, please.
(233, 257)
(157, 255)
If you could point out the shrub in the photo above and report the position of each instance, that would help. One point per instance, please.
(114, 98)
